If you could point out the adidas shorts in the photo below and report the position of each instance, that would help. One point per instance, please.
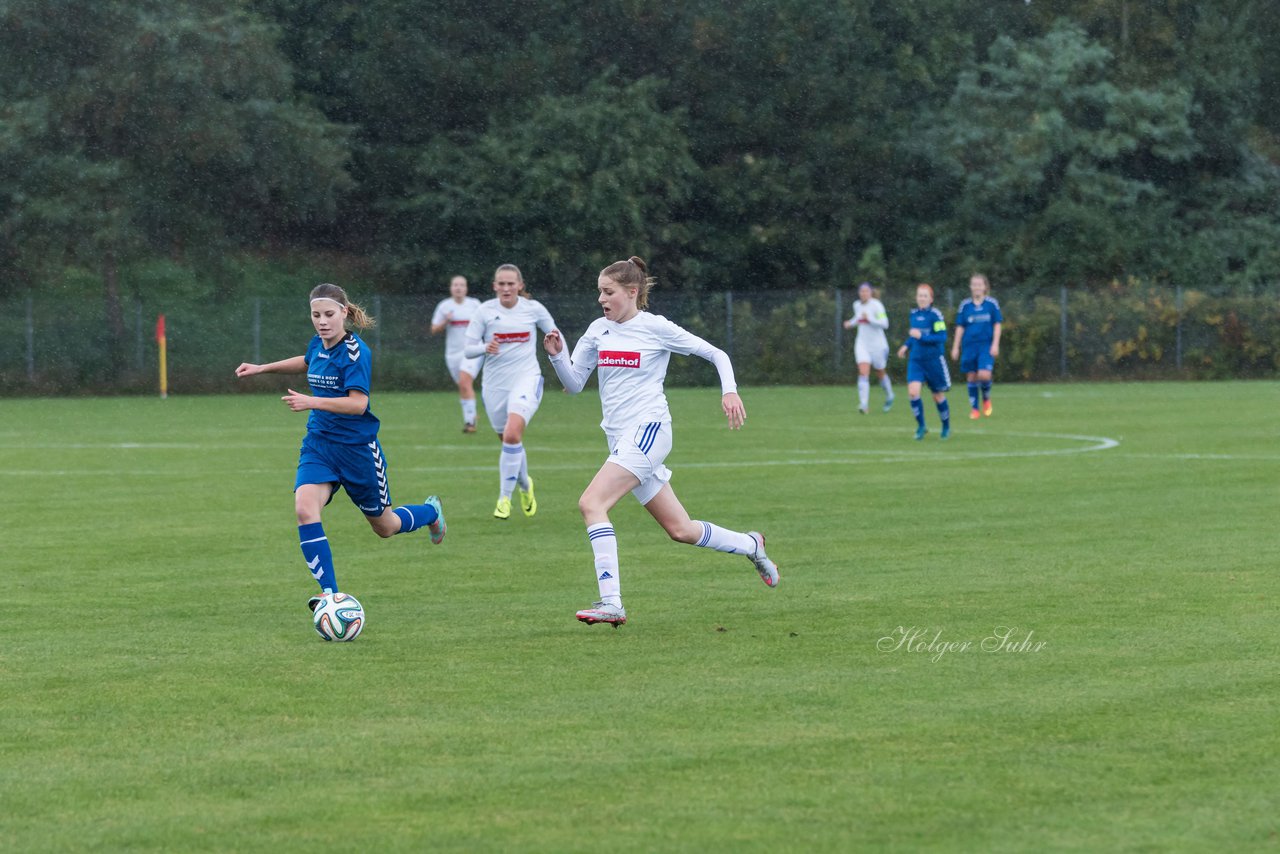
(456, 363)
(523, 400)
(877, 356)
(643, 452)
(361, 469)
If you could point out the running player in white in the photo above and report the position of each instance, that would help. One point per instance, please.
(502, 331)
(871, 347)
(631, 348)
(454, 315)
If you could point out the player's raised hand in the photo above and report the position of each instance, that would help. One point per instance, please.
(553, 343)
(247, 369)
(296, 401)
(734, 410)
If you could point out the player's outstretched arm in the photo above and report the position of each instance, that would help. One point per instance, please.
(295, 365)
(572, 373)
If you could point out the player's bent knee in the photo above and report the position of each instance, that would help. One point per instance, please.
(688, 533)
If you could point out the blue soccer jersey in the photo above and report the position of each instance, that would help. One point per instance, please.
(978, 321)
(933, 338)
(347, 366)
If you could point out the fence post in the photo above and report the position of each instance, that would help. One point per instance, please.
(257, 329)
(1177, 350)
(138, 351)
(1062, 366)
(839, 327)
(728, 323)
(377, 328)
(31, 339)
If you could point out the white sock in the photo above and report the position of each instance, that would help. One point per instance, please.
(864, 391)
(468, 410)
(724, 540)
(887, 386)
(509, 467)
(523, 477)
(605, 545)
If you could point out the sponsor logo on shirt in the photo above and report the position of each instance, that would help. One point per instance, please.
(459, 322)
(511, 337)
(618, 359)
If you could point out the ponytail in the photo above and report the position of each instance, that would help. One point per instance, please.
(356, 315)
(632, 273)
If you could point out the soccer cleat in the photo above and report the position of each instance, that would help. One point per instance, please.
(603, 612)
(986, 407)
(768, 569)
(946, 431)
(974, 415)
(314, 601)
(920, 431)
(528, 503)
(862, 410)
(438, 528)
(469, 427)
(888, 404)
(503, 510)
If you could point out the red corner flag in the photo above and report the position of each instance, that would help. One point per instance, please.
(164, 366)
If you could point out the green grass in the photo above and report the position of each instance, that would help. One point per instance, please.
(161, 688)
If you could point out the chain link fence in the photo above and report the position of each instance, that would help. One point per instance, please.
(1129, 331)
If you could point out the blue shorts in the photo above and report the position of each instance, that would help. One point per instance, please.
(362, 469)
(932, 372)
(977, 359)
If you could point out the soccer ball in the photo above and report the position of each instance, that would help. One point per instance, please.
(339, 617)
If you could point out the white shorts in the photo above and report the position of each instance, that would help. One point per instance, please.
(523, 400)
(456, 363)
(642, 452)
(877, 356)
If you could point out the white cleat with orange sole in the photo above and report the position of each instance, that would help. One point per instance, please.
(603, 612)
(768, 569)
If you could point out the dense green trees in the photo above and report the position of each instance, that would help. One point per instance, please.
(743, 144)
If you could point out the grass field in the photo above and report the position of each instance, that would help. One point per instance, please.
(161, 687)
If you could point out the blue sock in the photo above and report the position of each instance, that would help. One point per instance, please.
(944, 412)
(917, 409)
(315, 551)
(986, 391)
(414, 516)
(973, 395)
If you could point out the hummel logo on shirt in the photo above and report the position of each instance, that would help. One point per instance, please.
(618, 359)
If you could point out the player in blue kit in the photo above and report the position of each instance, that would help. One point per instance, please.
(926, 343)
(978, 343)
(341, 448)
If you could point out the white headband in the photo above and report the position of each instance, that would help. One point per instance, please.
(330, 299)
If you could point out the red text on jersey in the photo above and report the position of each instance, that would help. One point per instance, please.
(618, 359)
(510, 337)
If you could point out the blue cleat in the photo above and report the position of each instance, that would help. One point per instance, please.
(946, 431)
(920, 431)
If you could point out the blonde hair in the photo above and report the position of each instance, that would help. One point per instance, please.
(356, 316)
(986, 284)
(632, 273)
(524, 291)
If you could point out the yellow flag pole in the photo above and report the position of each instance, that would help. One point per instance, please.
(164, 366)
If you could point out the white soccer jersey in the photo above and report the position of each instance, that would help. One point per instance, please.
(871, 334)
(632, 358)
(460, 314)
(515, 329)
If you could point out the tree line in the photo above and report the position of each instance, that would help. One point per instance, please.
(736, 143)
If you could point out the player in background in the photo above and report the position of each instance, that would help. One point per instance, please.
(871, 347)
(454, 315)
(632, 348)
(926, 341)
(341, 447)
(977, 342)
(502, 331)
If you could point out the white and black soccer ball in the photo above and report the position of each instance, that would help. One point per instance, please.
(339, 617)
